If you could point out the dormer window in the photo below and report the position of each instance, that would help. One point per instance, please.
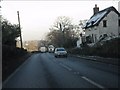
(104, 23)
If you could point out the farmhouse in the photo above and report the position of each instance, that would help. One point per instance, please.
(104, 24)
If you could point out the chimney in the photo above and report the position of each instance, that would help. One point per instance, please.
(95, 9)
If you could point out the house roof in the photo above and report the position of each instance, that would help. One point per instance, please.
(95, 19)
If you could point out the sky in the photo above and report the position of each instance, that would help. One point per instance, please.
(36, 17)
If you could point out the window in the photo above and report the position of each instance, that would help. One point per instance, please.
(104, 23)
(60, 49)
(119, 22)
(88, 39)
(105, 35)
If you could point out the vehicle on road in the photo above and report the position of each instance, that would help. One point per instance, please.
(60, 52)
(50, 48)
(43, 49)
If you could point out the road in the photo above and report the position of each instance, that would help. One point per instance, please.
(43, 70)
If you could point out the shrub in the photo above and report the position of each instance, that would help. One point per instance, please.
(108, 49)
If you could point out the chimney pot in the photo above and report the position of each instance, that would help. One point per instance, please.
(95, 5)
(95, 9)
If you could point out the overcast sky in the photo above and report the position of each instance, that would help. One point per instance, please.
(37, 16)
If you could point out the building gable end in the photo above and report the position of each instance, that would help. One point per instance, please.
(92, 23)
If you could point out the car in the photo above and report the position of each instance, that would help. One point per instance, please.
(60, 52)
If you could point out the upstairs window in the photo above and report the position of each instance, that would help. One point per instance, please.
(104, 23)
(119, 22)
(105, 35)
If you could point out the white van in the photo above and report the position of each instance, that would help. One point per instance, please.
(51, 48)
(43, 49)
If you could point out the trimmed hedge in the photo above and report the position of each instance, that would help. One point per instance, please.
(9, 51)
(108, 49)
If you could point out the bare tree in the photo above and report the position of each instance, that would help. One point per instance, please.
(62, 33)
(62, 22)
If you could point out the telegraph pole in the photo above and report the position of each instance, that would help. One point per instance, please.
(20, 29)
(62, 30)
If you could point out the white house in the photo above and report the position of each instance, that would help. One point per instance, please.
(104, 23)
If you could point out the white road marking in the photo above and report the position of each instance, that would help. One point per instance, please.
(74, 72)
(78, 72)
(65, 67)
(92, 82)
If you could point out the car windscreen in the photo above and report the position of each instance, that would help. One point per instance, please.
(60, 49)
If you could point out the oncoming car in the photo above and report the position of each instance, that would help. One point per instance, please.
(60, 52)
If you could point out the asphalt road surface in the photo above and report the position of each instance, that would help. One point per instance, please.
(43, 70)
